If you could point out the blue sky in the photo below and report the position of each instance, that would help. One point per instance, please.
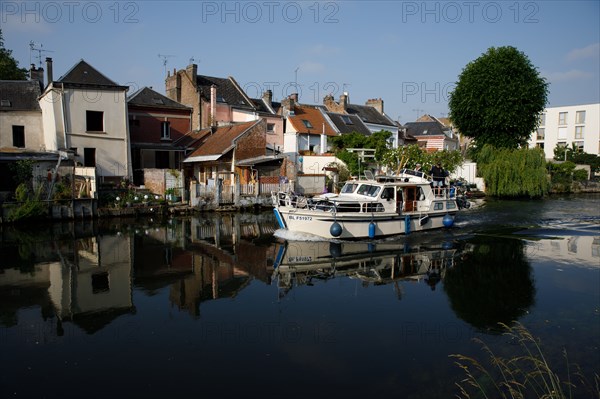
(409, 53)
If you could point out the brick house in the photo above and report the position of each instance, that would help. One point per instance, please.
(217, 101)
(231, 152)
(371, 114)
(156, 123)
(432, 135)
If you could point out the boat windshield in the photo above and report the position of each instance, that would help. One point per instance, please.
(349, 188)
(368, 190)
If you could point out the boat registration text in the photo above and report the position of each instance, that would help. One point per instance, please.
(303, 218)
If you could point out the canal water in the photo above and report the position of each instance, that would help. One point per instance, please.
(227, 306)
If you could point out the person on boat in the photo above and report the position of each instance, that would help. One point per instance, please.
(439, 177)
(417, 167)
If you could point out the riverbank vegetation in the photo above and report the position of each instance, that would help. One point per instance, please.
(513, 172)
(526, 374)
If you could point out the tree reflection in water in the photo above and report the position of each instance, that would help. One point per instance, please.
(492, 284)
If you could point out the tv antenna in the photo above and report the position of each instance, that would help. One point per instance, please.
(418, 111)
(192, 59)
(344, 87)
(40, 49)
(165, 59)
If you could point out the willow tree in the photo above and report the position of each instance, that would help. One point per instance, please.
(513, 173)
(498, 98)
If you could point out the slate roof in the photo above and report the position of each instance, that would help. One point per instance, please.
(348, 123)
(83, 73)
(314, 117)
(146, 97)
(417, 129)
(369, 114)
(19, 95)
(221, 141)
(228, 91)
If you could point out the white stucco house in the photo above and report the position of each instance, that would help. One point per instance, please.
(568, 125)
(85, 113)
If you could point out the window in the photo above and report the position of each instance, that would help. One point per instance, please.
(562, 133)
(562, 118)
(89, 157)
(580, 117)
(270, 128)
(346, 119)
(578, 145)
(540, 145)
(578, 132)
(541, 133)
(94, 121)
(18, 136)
(5, 103)
(307, 124)
(100, 283)
(165, 131)
(542, 119)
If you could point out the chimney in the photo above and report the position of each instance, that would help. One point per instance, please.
(49, 69)
(376, 103)
(344, 101)
(192, 71)
(37, 74)
(268, 97)
(213, 105)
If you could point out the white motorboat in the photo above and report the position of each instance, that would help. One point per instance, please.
(373, 207)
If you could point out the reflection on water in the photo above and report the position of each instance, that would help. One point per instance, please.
(201, 289)
(377, 263)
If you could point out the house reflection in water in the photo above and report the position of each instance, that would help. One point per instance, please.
(225, 258)
(85, 281)
(583, 250)
(91, 283)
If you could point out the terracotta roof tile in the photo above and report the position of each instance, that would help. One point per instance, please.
(222, 139)
(315, 121)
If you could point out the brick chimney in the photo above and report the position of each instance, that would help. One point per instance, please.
(37, 74)
(268, 97)
(344, 100)
(173, 86)
(376, 103)
(213, 105)
(288, 104)
(49, 69)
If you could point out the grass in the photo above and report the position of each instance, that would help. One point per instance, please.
(527, 375)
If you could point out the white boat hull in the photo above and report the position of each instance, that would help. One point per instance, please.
(357, 227)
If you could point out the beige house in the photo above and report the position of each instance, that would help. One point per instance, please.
(85, 113)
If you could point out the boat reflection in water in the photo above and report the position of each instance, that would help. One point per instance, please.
(301, 262)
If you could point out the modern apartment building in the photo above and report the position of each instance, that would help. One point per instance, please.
(568, 125)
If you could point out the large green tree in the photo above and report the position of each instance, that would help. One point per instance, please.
(9, 67)
(498, 98)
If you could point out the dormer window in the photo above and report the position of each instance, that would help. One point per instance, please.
(307, 124)
(346, 119)
(165, 131)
